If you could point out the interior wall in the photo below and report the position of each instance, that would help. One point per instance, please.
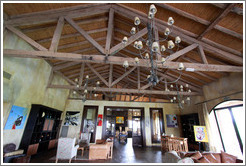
(27, 85)
(168, 108)
(226, 88)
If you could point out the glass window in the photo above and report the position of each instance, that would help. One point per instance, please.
(230, 121)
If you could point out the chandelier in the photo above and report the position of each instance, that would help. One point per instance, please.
(154, 54)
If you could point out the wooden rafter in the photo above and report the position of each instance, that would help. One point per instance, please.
(117, 60)
(235, 9)
(205, 40)
(110, 75)
(202, 54)
(54, 14)
(63, 66)
(63, 76)
(57, 35)
(26, 38)
(199, 20)
(103, 80)
(124, 75)
(182, 52)
(218, 19)
(81, 74)
(133, 38)
(139, 84)
(110, 31)
(122, 90)
(185, 35)
(85, 34)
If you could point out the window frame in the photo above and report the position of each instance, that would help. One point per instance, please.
(233, 122)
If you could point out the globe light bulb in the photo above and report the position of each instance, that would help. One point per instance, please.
(137, 21)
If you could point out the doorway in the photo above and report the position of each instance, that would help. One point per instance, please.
(157, 124)
(89, 121)
(129, 121)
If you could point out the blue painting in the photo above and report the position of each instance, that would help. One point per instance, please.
(16, 119)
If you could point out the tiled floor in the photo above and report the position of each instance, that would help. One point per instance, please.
(121, 154)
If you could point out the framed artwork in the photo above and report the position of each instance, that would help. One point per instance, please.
(120, 120)
(72, 118)
(172, 120)
(17, 118)
(99, 119)
(200, 134)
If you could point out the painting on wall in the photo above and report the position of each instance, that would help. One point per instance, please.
(99, 119)
(200, 134)
(17, 118)
(119, 120)
(172, 120)
(72, 118)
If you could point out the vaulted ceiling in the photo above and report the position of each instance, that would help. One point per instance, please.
(84, 34)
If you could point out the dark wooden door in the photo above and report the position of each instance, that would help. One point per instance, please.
(89, 121)
(137, 134)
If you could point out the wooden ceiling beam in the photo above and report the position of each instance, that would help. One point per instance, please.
(63, 66)
(110, 31)
(103, 80)
(65, 46)
(73, 35)
(85, 34)
(199, 20)
(57, 34)
(26, 38)
(54, 14)
(124, 75)
(217, 20)
(235, 9)
(79, 22)
(202, 54)
(81, 74)
(186, 36)
(110, 75)
(181, 52)
(131, 39)
(123, 90)
(64, 77)
(205, 40)
(117, 60)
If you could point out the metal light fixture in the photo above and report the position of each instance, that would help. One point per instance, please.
(153, 52)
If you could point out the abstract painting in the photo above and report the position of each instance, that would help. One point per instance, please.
(200, 134)
(172, 120)
(72, 118)
(17, 118)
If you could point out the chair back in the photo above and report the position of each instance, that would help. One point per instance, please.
(65, 147)
(85, 136)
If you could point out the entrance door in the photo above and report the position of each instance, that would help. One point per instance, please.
(89, 121)
(137, 138)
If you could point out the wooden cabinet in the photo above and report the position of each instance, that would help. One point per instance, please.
(32, 149)
(42, 129)
(188, 121)
(52, 143)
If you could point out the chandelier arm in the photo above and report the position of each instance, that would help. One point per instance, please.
(172, 81)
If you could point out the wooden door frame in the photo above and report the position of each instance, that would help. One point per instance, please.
(162, 127)
(82, 122)
(142, 115)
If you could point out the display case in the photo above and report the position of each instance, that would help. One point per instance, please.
(43, 126)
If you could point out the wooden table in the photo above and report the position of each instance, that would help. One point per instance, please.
(177, 144)
(82, 150)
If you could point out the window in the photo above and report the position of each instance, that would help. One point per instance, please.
(230, 121)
